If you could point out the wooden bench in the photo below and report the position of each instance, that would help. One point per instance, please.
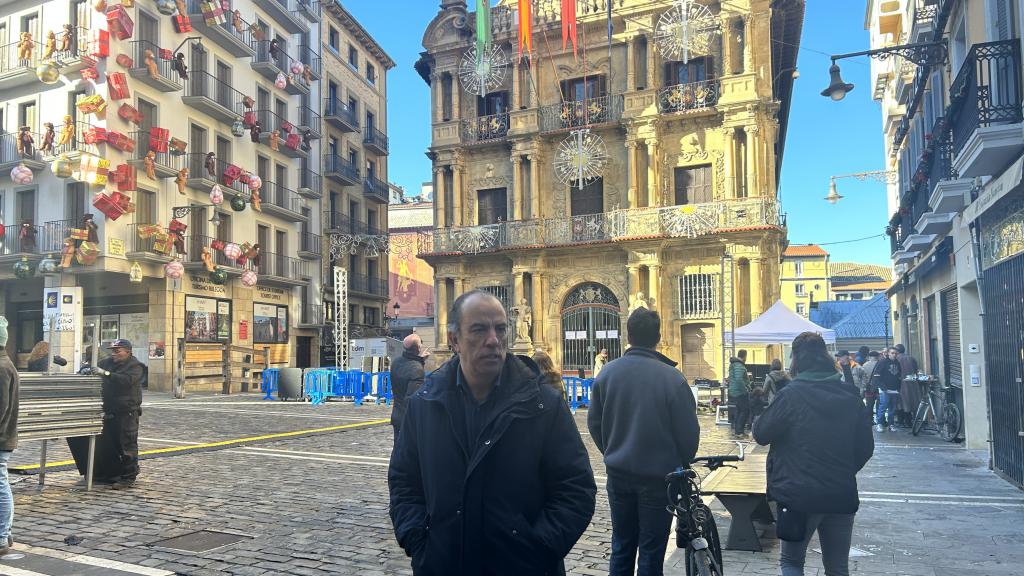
(743, 491)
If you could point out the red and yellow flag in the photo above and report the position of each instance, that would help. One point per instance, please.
(569, 26)
(525, 27)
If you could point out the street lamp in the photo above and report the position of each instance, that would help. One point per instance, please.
(923, 54)
(883, 176)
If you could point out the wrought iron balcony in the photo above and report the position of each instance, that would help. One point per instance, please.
(270, 121)
(310, 9)
(74, 148)
(10, 157)
(281, 201)
(165, 164)
(286, 14)
(311, 315)
(14, 246)
(268, 63)
(341, 223)
(341, 170)
(493, 128)
(581, 113)
(215, 97)
(375, 189)
(309, 119)
(200, 178)
(139, 248)
(310, 184)
(17, 72)
(310, 57)
(165, 80)
(194, 245)
(687, 221)
(925, 12)
(282, 270)
(987, 91)
(53, 233)
(367, 285)
(309, 245)
(375, 141)
(690, 96)
(339, 115)
(238, 40)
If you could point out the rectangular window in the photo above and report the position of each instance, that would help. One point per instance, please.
(145, 207)
(197, 138)
(493, 103)
(371, 73)
(353, 57)
(371, 221)
(332, 146)
(147, 28)
(371, 316)
(693, 185)
(697, 295)
(26, 207)
(76, 194)
(800, 290)
(269, 324)
(353, 157)
(27, 115)
(223, 149)
(30, 23)
(798, 266)
(333, 39)
(492, 206)
(587, 200)
(353, 106)
(371, 169)
(579, 89)
(801, 309)
(695, 70)
(332, 94)
(371, 122)
(207, 319)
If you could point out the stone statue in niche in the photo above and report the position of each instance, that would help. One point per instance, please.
(639, 301)
(524, 321)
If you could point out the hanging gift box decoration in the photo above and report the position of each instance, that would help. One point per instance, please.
(216, 195)
(165, 53)
(174, 269)
(217, 244)
(62, 167)
(126, 177)
(231, 174)
(90, 73)
(117, 86)
(120, 23)
(124, 61)
(93, 169)
(178, 146)
(232, 251)
(130, 113)
(281, 82)
(293, 141)
(107, 206)
(87, 253)
(182, 24)
(22, 174)
(287, 127)
(91, 104)
(213, 13)
(99, 44)
(95, 135)
(158, 139)
(120, 141)
(249, 278)
(248, 119)
(78, 234)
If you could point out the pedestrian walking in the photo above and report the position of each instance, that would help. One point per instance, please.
(490, 474)
(550, 373)
(888, 376)
(870, 391)
(8, 436)
(819, 440)
(600, 361)
(846, 366)
(406, 377)
(122, 405)
(643, 418)
(775, 381)
(910, 392)
(739, 392)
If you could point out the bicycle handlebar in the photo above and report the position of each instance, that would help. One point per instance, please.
(710, 462)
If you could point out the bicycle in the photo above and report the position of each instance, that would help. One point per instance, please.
(948, 420)
(695, 524)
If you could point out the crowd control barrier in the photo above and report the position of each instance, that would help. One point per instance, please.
(578, 391)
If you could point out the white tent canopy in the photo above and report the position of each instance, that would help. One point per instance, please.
(779, 325)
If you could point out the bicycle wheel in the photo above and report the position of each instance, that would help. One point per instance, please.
(698, 563)
(951, 423)
(711, 534)
(922, 412)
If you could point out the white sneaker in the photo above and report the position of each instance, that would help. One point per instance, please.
(892, 429)
(879, 428)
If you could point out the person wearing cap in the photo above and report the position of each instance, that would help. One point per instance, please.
(122, 404)
(8, 435)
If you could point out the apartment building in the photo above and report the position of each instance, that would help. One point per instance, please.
(355, 170)
(954, 134)
(209, 125)
(681, 216)
(804, 278)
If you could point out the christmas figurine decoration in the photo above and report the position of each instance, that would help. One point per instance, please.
(207, 259)
(179, 66)
(67, 253)
(307, 74)
(89, 225)
(150, 165)
(254, 132)
(307, 140)
(27, 236)
(236, 21)
(67, 131)
(48, 138)
(51, 45)
(275, 49)
(177, 231)
(255, 200)
(25, 47)
(275, 139)
(67, 38)
(181, 179)
(26, 143)
(211, 165)
(181, 7)
(253, 255)
(150, 63)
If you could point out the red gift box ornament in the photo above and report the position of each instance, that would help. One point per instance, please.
(99, 44)
(182, 24)
(120, 23)
(165, 53)
(110, 208)
(293, 141)
(287, 126)
(130, 113)
(231, 174)
(159, 139)
(217, 244)
(120, 141)
(126, 178)
(90, 74)
(117, 86)
(178, 146)
(95, 135)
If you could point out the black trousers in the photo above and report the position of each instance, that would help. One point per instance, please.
(122, 433)
(742, 415)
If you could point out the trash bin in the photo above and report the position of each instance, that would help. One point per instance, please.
(289, 384)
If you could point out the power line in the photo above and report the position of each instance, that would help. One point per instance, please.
(843, 241)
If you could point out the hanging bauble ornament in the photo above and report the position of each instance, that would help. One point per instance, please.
(62, 167)
(47, 72)
(255, 182)
(48, 265)
(219, 277)
(296, 67)
(21, 174)
(482, 72)
(216, 195)
(22, 269)
(232, 251)
(166, 7)
(174, 269)
(581, 158)
(238, 128)
(249, 278)
(237, 203)
(281, 82)
(685, 30)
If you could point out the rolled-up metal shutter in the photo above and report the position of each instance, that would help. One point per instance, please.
(951, 336)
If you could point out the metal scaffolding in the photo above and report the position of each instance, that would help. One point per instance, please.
(341, 317)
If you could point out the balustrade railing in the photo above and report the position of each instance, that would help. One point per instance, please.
(486, 128)
(987, 91)
(581, 113)
(689, 96)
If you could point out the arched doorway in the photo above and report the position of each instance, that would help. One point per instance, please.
(590, 322)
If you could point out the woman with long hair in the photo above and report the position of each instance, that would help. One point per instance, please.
(37, 358)
(549, 373)
(820, 438)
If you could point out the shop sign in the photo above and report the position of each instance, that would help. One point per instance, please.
(243, 330)
(1003, 239)
(200, 283)
(271, 294)
(115, 247)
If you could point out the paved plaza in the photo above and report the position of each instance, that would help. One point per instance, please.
(305, 490)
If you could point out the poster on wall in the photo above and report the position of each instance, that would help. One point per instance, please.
(207, 320)
(157, 350)
(135, 328)
(224, 321)
(270, 324)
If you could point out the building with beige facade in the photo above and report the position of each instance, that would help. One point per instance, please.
(804, 278)
(683, 217)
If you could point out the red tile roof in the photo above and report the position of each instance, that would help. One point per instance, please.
(808, 250)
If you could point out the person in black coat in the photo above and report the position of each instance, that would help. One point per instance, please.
(820, 438)
(122, 404)
(643, 418)
(406, 377)
(490, 475)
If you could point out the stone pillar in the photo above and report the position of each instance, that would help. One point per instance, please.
(632, 160)
(634, 283)
(748, 41)
(439, 198)
(517, 95)
(631, 64)
(441, 311)
(535, 162)
(751, 161)
(654, 287)
(436, 95)
(457, 195)
(456, 98)
(727, 40)
(756, 288)
(652, 63)
(729, 137)
(652, 173)
(517, 187)
(538, 309)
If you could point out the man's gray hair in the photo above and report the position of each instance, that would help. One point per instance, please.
(455, 314)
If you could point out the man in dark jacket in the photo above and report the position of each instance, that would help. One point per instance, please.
(406, 377)
(122, 405)
(8, 435)
(643, 418)
(739, 393)
(888, 376)
(489, 475)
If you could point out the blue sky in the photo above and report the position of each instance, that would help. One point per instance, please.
(825, 138)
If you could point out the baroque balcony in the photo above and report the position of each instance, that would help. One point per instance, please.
(686, 221)
(375, 189)
(166, 79)
(239, 41)
(581, 113)
(482, 129)
(690, 96)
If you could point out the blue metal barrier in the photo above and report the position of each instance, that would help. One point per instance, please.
(384, 393)
(578, 391)
(270, 380)
(317, 383)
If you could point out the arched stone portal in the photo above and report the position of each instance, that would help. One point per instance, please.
(590, 322)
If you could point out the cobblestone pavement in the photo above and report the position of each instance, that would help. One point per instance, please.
(317, 504)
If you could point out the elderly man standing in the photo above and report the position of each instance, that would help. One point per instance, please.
(8, 435)
(490, 475)
(406, 377)
(122, 405)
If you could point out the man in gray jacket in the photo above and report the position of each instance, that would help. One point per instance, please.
(8, 435)
(643, 418)
(406, 377)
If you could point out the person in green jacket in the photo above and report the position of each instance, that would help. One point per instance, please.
(739, 392)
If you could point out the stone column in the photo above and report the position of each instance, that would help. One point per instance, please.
(748, 41)
(517, 187)
(727, 41)
(633, 177)
(437, 96)
(441, 311)
(652, 63)
(538, 309)
(517, 96)
(652, 173)
(535, 161)
(456, 98)
(729, 138)
(439, 198)
(756, 288)
(631, 64)
(751, 161)
(457, 195)
(654, 287)
(634, 283)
